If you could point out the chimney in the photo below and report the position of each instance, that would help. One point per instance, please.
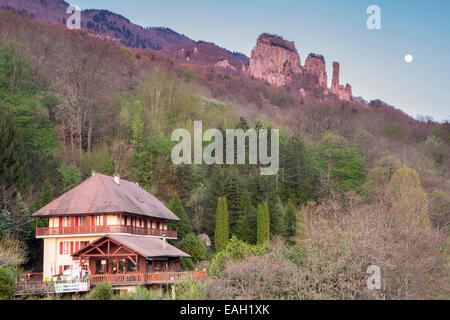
(117, 178)
(164, 242)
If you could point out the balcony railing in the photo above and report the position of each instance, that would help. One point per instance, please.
(45, 232)
(45, 287)
(148, 278)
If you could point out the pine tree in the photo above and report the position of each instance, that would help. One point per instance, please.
(290, 221)
(277, 216)
(263, 224)
(222, 225)
(13, 160)
(184, 225)
(245, 228)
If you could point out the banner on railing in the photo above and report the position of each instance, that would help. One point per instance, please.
(71, 287)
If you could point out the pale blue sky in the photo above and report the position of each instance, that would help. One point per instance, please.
(371, 61)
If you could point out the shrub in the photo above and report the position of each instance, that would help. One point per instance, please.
(192, 245)
(103, 291)
(187, 264)
(141, 293)
(188, 290)
(7, 283)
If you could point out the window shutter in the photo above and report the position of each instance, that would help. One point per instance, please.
(60, 222)
(61, 247)
(60, 270)
(105, 219)
(77, 246)
(71, 247)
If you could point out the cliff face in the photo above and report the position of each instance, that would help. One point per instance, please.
(316, 68)
(343, 93)
(275, 61)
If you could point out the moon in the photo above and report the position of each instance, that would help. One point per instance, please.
(409, 58)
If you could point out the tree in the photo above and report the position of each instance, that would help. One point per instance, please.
(17, 223)
(300, 178)
(184, 225)
(410, 199)
(222, 225)
(263, 224)
(14, 69)
(192, 245)
(277, 216)
(341, 162)
(7, 283)
(245, 228)
(290, 221)
(13, 161)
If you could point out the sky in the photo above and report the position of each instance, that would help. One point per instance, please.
(372, 61)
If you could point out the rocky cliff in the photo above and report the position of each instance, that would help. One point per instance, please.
(343, 93)
(277, 62)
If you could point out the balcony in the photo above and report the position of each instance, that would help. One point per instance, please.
(147, 278)
(81, 230)
(45, 287)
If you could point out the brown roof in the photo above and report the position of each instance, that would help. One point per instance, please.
(145, 246)
(100, 194)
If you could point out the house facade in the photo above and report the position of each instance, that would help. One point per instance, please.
(111, 228)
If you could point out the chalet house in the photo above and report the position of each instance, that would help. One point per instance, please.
(111, 228)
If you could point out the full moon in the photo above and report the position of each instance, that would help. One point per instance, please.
(409, 58)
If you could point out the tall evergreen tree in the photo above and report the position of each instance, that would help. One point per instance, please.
(290, 220)
(184, 225)
(263, 224)
(218, 186)
(222, 225)
(277, 216)
(245, 228)
(13, 160)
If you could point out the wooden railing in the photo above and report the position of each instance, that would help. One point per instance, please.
(43, 287)
(45, 232)
(149, 278)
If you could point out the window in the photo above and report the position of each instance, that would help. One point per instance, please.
(84, 244)
(65, 222)
(83, 221)
(99, 220)
(66, 247)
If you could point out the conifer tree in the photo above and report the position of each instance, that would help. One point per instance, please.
(263, 224)
(290, 220)
(184, 225)
(13, 163)
(222, 225)
(245, 228)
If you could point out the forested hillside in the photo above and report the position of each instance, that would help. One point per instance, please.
(357, 186)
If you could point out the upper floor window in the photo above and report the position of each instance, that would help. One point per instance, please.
(82, 221)
(98, 220)
(65, 222)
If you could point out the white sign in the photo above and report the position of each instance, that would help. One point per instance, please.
(71, 287)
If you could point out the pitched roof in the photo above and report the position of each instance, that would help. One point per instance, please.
(145, 246)
(100, 194)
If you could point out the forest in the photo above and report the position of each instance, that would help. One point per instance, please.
(356, 186)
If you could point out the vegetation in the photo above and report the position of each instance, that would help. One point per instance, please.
(263, 224)
(193, 246)
(7, 283)
(356, 186)
(222, 225)
(102, 291)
